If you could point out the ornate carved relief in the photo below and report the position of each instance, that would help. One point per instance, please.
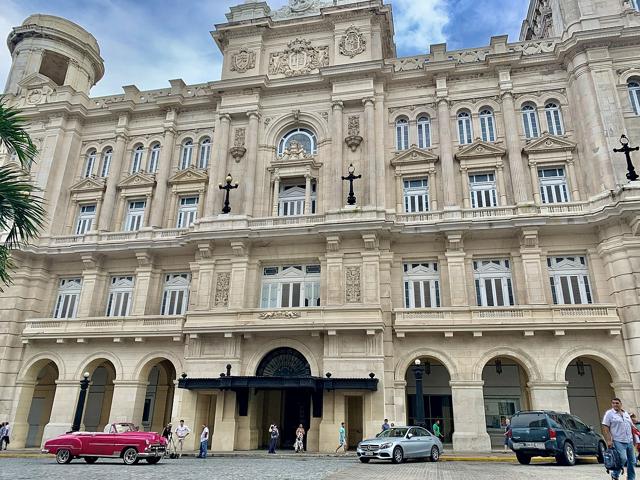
(223, 280)
(353, 291)
(299, 58)
(238, 150)
(286, 314)
(243, 60)
(295, 151)
(354, 139)
(352, 42)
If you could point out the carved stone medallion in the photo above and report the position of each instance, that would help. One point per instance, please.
(299, 58)
(243, 60)
(352, 285)
(353, 42)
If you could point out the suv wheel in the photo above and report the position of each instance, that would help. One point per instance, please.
(398, 455)
(523, 459)
(568, 455)
(601, 449)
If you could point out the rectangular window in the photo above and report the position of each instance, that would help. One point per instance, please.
(120, 296)
(569, 279)
(175, 297)
(86, 216)
(135, 215)
(493, 283)
(421, 285)
(416, 195)
(483, 191)
(553, 185)
(187, 212)
(291, 199)
(68, 298)
(290, 286)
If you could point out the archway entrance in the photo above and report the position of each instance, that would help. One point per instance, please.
(286, 408)
(505, 392)
(589, 390)
(436, 391)
(44, 392)
(99, 396)
(158, 400)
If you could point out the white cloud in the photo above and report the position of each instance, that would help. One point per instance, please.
(419, 23)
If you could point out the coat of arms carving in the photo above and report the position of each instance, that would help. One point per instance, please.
(299, 58)
(243, 60)
(353, 42)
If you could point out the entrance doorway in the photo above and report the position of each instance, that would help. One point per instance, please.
(589, 390)
(100, 394)
(41, 404)
(354, 421)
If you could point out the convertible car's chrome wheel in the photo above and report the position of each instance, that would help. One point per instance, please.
(435, 454)
(63, 456)
(130, 456)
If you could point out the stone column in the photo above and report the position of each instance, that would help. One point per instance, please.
(446, 154)
(63, 409)
(433, 190)
(184, 408)
(535, 182)
(535, 280)
(334, 184)
(128, 401)
(276, 193)
(21, 406)
(239, 268)
(573, 180)
(164, 169)
(369, 170)
(400, 192)
(93, 282)
(218, 172)
(205, 267)
(514, 150)
(470, 434)
(457, 271)
(108, 206)
(466, 193)
(252, 159)
(307, 194)
(549, 396)
(144, 274)
(224, 434)
(502, 190)
(335, 272)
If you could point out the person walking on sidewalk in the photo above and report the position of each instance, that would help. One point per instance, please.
(617, 429)
(436, 430)
(181, 432)
(2, 430)
(204, 440)
(342, 439)
(4, 441)
(507, 429)
(299, 445)
(274, 433)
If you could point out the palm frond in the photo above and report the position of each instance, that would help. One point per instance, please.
(14, 136)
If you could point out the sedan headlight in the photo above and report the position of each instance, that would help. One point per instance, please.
(385, 445)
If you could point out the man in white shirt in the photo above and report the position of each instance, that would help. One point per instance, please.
(618, 434)
(5, 436)
(181, 432)
(204, 439)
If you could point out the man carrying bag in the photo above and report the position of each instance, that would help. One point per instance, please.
(617, 429)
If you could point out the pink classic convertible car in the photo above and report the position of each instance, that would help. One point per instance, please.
(121, 440)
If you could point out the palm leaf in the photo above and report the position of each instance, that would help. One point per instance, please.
(14, 136)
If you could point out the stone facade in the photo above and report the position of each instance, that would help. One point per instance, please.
(487, 174)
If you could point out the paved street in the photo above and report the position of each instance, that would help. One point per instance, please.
(310, 468)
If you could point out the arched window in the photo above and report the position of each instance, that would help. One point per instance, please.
(205, 153)
(187, 153)
(488, 125)
(107, 155)
(154, 158)
(530, 121)
(424, 132)
(465, 134)
(90, 164)
(554, 118)
(402, 134)
(634, 93)
(305, 137)
(136, 163)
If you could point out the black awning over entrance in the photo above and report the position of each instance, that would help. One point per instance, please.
(279, 383)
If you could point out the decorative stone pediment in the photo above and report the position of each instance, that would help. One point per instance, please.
(36, 89)
(90, 184)
(414, 156)
(138, 180)
(189, 175)
(549, 143)
(480, 149)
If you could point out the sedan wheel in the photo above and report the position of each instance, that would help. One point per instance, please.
(435, 454)
(63, 456)
(130, 456)
(398, 455)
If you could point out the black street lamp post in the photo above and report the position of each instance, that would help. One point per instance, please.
(351, 199)
(626, 149)
(228, 187)
(77, 419)
(418, 372)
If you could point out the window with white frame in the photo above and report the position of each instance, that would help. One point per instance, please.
(291, 199)
(493, 283)
(69, 290)
(402, 134)
(187, 153)
(482, 189)
(424, 132)
(465, 133)
(530, 121)
(305, 137)
(487, 125)
(154, 158)
(175, 296)
(416, 195)
(569, 278)
(107, 155)
(554, 118)
(86, 217)
(90, 164)
(187, 211)
(135, 215)
(421, 285)
(120, 296)
(634, 95)
(290, 286)
(136, 161)
(205, 153)
(553, 185)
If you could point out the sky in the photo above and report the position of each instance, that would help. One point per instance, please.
(147, 42)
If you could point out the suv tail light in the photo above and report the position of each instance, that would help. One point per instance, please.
(552, 434)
